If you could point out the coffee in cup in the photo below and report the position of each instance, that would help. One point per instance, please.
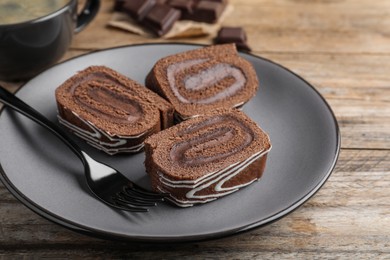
(16, 11)
(34, 34)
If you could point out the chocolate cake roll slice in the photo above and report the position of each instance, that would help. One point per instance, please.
(110, 111)
(200, 80)
(207, 157)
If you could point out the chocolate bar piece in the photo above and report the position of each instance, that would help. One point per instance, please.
(118, 5)
(208, 11)
(235, 35)
(160, 15)
(161, 18)
(185, 6)
(138, 9)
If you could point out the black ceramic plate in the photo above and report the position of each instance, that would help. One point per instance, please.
(44, 175)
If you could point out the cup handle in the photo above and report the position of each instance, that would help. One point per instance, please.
(89, 11)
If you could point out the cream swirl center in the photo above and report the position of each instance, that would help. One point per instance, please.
(205, 77)
(209, 141)
(107, 100)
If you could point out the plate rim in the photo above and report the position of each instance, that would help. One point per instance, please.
(54, 218)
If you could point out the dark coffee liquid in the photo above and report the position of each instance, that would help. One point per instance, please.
(18, 11)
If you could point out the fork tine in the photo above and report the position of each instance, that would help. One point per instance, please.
(134, 201)
(144, 193)
(140, 197)
(126, 207)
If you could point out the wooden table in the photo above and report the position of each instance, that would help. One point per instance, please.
(343, 48)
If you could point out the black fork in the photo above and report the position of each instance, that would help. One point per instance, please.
(107, 184)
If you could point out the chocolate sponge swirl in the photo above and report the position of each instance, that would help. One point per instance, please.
(209, 136)
(109, 102)
(199, 80)
(207, 157)
(111, 112)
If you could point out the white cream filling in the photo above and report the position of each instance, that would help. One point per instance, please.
(204, 79)
(174, 68)
(219, 178)
(93, 137)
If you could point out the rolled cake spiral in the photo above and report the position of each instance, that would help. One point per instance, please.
(199, 80)
(206, 157)
(110, 111)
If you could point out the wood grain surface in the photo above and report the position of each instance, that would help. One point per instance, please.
(342, 47)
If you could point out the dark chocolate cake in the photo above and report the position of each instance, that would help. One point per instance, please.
(201, 80)
(110, 111)
(207, 157)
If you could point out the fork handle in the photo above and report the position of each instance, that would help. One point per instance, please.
(20, 106)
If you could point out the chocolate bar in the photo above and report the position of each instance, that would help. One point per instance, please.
(185, 6)
(235, 35)
(160, 15)
(208, 11)
(118, 5)
(161, 18)
(138, 9)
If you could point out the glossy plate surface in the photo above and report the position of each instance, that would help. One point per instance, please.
(44, 175)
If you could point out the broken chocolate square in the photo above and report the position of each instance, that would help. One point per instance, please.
(118, 5)
(161, 18)
(235, 35)
(186, 6)
(208, 11)
(138, 9)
